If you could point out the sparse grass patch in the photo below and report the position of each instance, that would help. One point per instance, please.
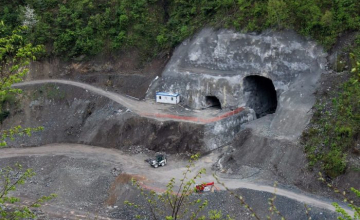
(334, 128)
(50, 91)
(6, 101)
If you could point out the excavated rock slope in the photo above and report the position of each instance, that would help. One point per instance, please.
(75, 115)
(233, 68)
(211, 67)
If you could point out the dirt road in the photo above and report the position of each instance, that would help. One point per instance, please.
(153, 178)
(148, 108)
(133, 105)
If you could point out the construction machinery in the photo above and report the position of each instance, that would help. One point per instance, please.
(160, 160)
(204, 187)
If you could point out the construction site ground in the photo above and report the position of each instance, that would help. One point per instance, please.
(92, 181)
(149, 108)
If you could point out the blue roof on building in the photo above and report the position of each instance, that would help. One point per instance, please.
(167, 94)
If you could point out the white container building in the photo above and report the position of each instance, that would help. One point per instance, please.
(170, 98)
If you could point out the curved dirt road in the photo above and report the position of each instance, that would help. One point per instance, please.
(133, 105)
(135, 165)
(148, 109)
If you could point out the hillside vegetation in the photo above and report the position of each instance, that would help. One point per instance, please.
(72, 28)
(78, 29)
(334, 131)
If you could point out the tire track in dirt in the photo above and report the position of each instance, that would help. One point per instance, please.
(152, 111)
(134, 165)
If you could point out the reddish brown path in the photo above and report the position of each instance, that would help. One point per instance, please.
(149, 108)
(194, 119)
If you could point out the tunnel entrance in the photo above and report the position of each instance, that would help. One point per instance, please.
(213, 102)
(261, 95)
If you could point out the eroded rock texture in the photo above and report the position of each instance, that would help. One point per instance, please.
(223, 68)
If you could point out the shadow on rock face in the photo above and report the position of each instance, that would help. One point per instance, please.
(213, 102)
(261, 95)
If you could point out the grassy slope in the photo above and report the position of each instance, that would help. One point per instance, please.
(334, 129)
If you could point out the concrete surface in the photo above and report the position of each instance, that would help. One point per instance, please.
(215, 63)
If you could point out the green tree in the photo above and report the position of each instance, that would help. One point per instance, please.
(174, 203)
(179, 203)
(15, 55)
(10, 206)
(344, 215)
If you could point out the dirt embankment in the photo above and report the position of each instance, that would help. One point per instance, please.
(73, 115)
(96, 181)
(268, 159)
(258, 153)
(330, 87)
(126, 73)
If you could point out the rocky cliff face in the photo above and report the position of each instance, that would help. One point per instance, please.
(271, 71)
(121, 73)
(74, 115)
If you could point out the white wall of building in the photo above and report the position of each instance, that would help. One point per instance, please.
(168, 98)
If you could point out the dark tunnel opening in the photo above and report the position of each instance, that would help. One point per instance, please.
(261, 95)
(213, 102)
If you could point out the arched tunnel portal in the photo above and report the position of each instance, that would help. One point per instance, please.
(213, 102)
(261, 95)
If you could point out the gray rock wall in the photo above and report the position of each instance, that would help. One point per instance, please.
(216, 62)
(74, 115)
(70, 114)
(222, 132)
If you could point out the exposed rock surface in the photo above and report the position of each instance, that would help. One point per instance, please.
(215, 63)
(94, 181)
(273, 73)
(74, 115)
(121, 73)
(74, 112)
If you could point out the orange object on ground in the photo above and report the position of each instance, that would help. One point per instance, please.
(201, 187)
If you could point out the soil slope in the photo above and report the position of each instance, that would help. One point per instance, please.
(96, 180)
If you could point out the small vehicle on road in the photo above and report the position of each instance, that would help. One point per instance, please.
(160, 160)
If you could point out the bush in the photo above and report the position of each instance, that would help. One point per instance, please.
(151, 26)
(332, 133)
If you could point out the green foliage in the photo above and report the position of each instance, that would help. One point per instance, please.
(334, 127)
(16, 131)
(11, 207)
(174, 203)
(278, 13)
(356, 68)
(75, 28)
(8, 99)
(178, 203)
(215, 215)
(15, 55)
(344, 214)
